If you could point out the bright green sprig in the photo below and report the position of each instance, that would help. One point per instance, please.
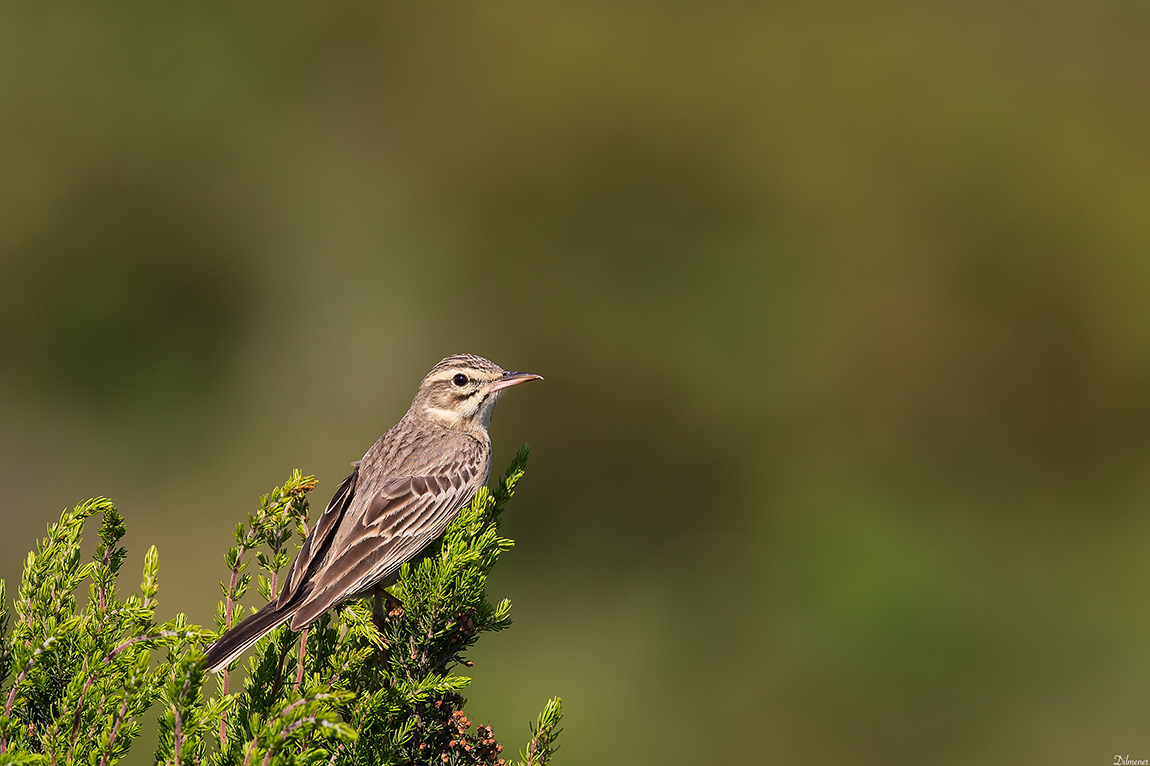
(541, 746)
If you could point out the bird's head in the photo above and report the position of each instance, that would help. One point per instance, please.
(460, 392)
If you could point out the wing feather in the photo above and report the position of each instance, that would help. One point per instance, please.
(314, 547)
(396, 522)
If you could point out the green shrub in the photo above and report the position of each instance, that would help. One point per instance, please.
(345, 691)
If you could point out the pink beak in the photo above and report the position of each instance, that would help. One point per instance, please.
(510, 379)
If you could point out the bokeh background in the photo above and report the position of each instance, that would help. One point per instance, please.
(844, 310)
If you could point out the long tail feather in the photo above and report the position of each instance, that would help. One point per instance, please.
(240, 638)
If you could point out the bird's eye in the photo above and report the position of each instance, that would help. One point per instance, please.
(460, 380)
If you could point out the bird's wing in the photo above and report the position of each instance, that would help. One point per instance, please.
(399, 520)
(317, 542)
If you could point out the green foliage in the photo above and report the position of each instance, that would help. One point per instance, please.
(347, 691)
(543, 733)
(83, 676)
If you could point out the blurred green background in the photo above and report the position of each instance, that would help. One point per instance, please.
(844, 311)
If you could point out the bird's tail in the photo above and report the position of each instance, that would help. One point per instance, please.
(237, 640)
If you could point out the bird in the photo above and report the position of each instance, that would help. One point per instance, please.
(399, 498)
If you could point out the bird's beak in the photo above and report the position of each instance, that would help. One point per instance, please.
(510, 379)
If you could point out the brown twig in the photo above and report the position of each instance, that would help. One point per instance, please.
(302, 654)
(115, 730)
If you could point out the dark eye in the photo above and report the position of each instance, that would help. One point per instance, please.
(460, 380)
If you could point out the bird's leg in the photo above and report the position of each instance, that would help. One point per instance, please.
(378, 615)
(394, 605)
(384, 605)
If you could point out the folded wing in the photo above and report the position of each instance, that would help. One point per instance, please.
(372, 536)
(315, 545)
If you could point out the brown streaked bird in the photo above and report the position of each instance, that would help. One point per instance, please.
(399, 498)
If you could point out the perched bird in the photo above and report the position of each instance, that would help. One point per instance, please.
(399, 498)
